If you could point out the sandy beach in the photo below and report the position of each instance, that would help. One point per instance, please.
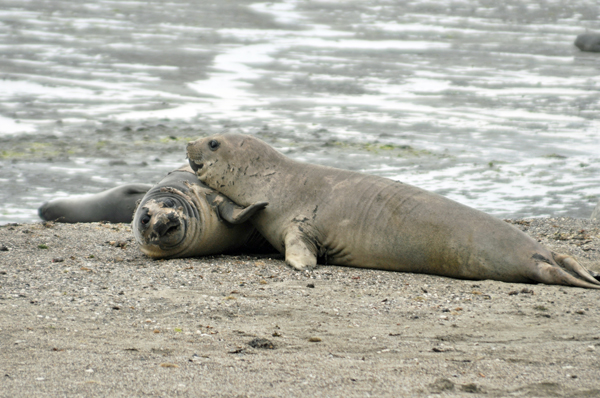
(84, 313)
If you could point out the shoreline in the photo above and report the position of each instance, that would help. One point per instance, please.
(84, 312)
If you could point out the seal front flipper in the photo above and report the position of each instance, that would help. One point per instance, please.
(232, 212)
(300, 251)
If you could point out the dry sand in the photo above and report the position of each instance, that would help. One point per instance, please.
(84, 313)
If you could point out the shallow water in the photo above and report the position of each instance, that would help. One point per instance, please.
(489, 104)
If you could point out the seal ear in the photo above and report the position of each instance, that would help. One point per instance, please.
(232, 212)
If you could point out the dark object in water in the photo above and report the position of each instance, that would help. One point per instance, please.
(588, 42)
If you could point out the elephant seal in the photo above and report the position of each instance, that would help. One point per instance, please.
(114, 205)
(348, 218)
(181, 217)
(588, 42)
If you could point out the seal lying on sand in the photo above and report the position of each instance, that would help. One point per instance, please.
(181, 217)
(178, 217)
(113, 205)
(349, 218)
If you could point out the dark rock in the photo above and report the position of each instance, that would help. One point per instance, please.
(261, 343)
(442, 384)
(588, 42)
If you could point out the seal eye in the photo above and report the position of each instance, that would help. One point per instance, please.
(213, 145)
(169, 202)
(146, 219)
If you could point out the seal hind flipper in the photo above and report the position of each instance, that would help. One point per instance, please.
(572, 265)
(564, 270)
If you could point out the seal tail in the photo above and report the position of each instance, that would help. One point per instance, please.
(564, 271)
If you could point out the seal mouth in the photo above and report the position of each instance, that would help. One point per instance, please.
(164, 229)
(196, 165)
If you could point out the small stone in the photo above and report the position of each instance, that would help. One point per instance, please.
(261, 343)
(442, 384)
(314, 339)
(471, 387)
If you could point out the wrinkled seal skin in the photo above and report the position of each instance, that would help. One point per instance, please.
(181, 217)
(354, 219)
(588, 42)
(115, 205)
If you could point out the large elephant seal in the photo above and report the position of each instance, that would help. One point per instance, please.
(349, 218)
(114, 205)
(181, 217)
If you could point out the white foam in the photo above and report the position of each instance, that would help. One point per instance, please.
(12, 126)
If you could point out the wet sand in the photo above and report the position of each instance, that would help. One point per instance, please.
(84, 313)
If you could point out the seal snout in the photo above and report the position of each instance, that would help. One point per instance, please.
(166, 225)
(194, 155)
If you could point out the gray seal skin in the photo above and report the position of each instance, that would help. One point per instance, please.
(181, 217)
(353, 219)
(115, 205)
(588, 42)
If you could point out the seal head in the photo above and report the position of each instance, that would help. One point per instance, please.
(181, 217)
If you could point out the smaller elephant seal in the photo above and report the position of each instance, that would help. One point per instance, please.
(181, 217)
(588, 42)
(115, 205)
(348, 218)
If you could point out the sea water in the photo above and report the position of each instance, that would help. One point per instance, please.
(488, 103)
